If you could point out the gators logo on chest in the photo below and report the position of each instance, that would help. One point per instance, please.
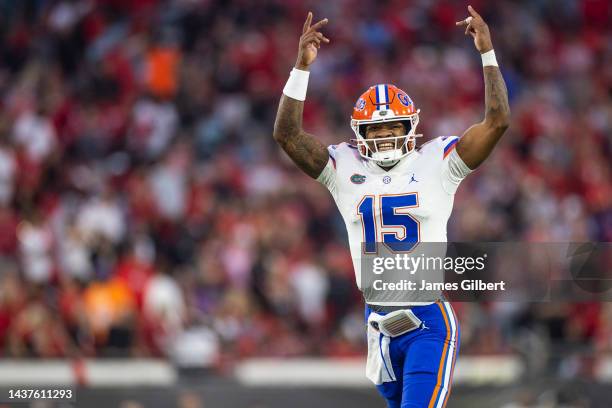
(358, 178)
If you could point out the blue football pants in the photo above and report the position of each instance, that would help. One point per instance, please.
(423, 360)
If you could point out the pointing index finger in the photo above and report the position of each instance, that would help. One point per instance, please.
(307, 22)
(473, 12)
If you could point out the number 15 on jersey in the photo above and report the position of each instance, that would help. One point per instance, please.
(384, 219)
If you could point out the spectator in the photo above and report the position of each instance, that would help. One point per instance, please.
(163, 304)
(36, 243)
(8, 167)
(101, 218)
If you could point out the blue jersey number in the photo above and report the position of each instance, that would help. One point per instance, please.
(389, 218)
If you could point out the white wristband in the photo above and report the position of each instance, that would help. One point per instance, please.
(297, 84)
(488, 59)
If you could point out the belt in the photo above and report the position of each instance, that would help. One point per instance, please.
(387, 309)
(396, 323)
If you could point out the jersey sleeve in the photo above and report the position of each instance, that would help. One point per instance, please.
(329, 173)
(454, 169)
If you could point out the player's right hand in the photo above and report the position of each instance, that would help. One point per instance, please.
(310, 42)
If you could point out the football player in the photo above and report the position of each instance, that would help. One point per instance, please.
(390, 191)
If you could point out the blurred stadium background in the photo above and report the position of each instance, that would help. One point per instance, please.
(157, 249)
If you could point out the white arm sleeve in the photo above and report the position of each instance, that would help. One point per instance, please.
(454, 170)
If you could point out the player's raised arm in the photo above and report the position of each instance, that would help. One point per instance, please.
(308, 153)
(479, 140)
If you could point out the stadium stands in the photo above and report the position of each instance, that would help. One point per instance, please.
(145, 209)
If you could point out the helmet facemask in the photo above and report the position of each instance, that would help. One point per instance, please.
(386, 151)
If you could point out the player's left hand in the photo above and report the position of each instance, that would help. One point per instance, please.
(477, 28)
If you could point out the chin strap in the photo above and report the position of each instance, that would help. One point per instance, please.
(391, 161)
(388, 163)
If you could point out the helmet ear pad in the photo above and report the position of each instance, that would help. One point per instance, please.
(407, 125)
(362, 130)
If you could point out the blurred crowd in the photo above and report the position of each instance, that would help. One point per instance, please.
(146, 211)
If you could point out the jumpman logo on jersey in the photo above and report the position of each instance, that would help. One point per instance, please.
(413, 179)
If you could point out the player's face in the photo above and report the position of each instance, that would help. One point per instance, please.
(384, 130)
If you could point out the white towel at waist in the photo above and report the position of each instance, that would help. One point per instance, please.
(378, 365)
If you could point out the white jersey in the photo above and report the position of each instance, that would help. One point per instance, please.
(409, 203)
